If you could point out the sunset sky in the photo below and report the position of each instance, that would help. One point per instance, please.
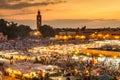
(63, 13)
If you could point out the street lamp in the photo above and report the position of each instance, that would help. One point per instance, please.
(92, 36)
(100, 36)
(82, 37)
(107, 36)
(65, 38)
(116, 37)
(37, 33)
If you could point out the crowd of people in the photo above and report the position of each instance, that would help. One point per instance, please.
(82, 67)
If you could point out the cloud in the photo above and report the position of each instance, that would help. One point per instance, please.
(90, 23)
(84, 20)
(18, 13)
(13, 0)
(6, 4)
(22, 12)
(74, 23)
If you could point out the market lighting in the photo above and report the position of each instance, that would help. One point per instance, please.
(56, 36)
(92, 36)
(100, 35)
(116, 37)
(100, 55)
(115, 57)
(88, 54)
(37, 33)
(60, 37)
(65, 37)
(107, 36)
(77, 36)
(83, 37)
(76, 52)
(69, 36)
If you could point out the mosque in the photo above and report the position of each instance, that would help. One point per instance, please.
(36, 32)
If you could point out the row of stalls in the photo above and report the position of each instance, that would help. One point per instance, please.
(23, 65)
(26, 70)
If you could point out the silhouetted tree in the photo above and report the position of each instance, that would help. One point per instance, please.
(83, 28)
(23, 30)
(3, 26)
(77, 30)
(13, 30)
(47, 31)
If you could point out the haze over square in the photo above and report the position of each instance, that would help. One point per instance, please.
(63, 13)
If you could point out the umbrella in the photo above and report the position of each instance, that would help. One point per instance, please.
(105, 77)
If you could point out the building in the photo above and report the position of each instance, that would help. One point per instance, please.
(39, 20)
(36, 33)
(92, 33)
(110, 32)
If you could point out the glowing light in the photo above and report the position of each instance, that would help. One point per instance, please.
(100, 55)
(88, 54)
(115, 57)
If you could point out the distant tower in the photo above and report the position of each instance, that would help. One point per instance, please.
(39, 22)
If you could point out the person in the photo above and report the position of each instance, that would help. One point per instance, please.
(67, 78)
(11, 62)
(46, 76)
(40, 75)
(115, 78)
(0, 75)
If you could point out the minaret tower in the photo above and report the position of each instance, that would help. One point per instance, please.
(39, 22)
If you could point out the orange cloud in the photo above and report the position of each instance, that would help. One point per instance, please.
(72, 10)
